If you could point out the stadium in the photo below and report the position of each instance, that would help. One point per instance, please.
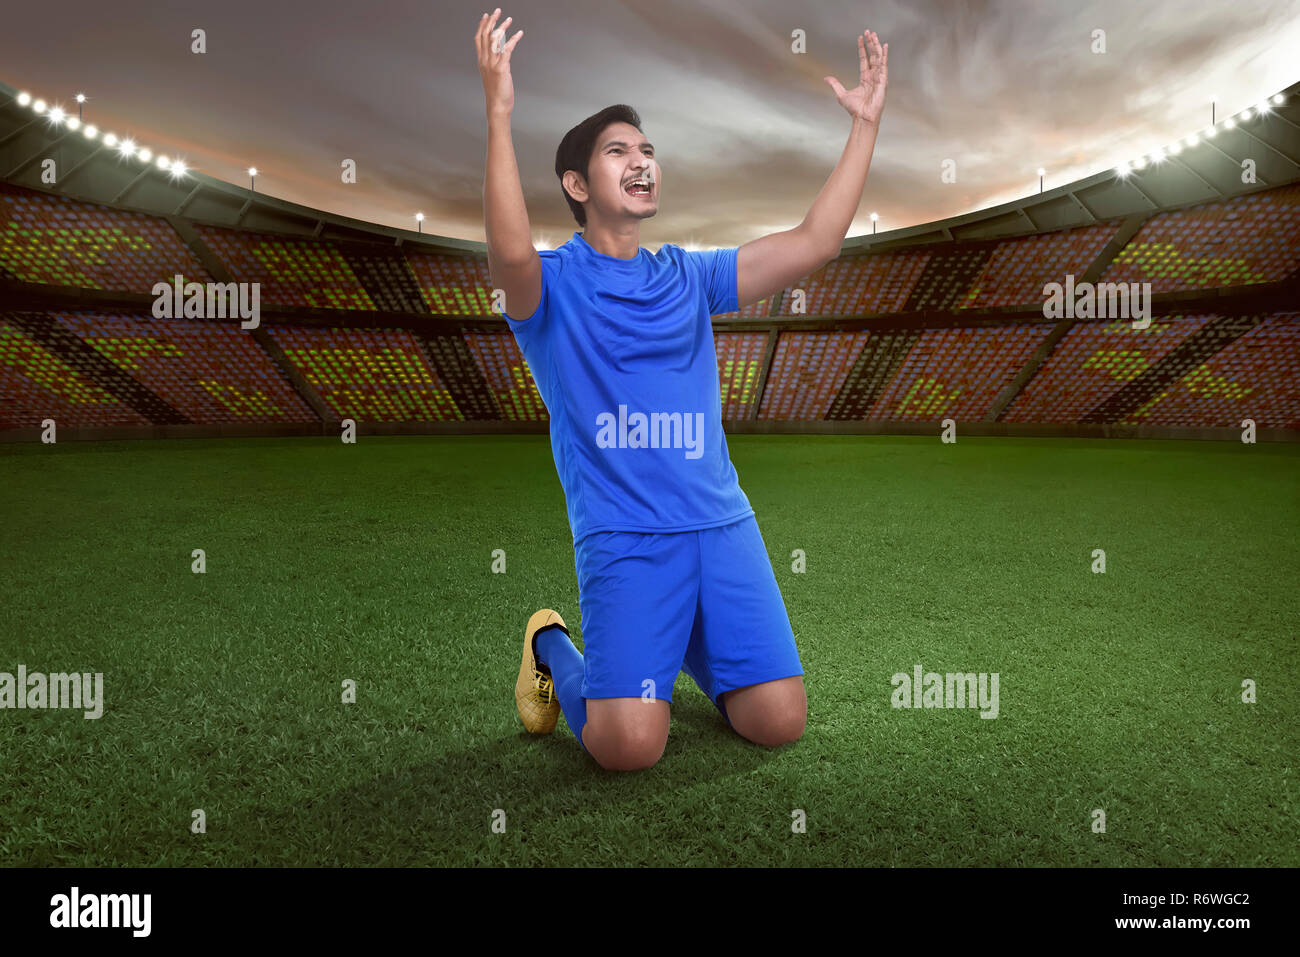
(236, 522)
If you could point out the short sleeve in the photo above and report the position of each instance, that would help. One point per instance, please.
(550, 269)
(717, 272)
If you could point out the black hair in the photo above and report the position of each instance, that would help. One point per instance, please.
(576, 148)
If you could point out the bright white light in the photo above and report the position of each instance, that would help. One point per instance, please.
(110, 139)
(419, 217)
(38, 106)
(1158, 156)
(91, 131)
(252, 171)
(74, 123)
(874, 217)
(1278, 99)
(24, 99)
(1175, 149)
(1246, 113)
(1123, 169)
(1140, 163)
(127, 148)
(57, 115)
(145, 155)
(178, 168)
(1229, 123)
(81, 98)
(1211, 133)
(1192, 140)
(1041, 171)
(1263, 108)
(163, 162)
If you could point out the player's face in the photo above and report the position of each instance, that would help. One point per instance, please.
(622, 156)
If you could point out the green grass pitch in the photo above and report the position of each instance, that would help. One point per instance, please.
(1118, 691)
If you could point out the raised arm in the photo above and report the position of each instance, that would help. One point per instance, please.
(513, 263)
(769, 264)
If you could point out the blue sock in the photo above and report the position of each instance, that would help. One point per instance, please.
(556, 651)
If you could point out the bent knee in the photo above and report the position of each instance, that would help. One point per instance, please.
(629, 753)
(775, 730)
(627, 745)
(628, 761)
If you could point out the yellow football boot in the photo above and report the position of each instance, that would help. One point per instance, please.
(535, 698)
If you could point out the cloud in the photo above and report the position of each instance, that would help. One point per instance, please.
(746, 129)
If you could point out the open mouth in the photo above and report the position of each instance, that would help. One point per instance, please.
(637, 188)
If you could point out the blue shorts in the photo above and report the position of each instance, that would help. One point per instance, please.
(704, 601)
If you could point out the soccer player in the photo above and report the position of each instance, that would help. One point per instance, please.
(673, 574)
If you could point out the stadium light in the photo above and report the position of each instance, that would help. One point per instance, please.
(874, 217)
(1140, 163)
(38, 106)
(57, 116)
(164, 162)
(126, 148)
(1192, 140)
(1278, 99)
(81, 99)
(1157, 155)
(252, 178)
(74, 122)
(1210, 133)
(1175, 148)
(178, 169)
(24, 99)
(1123, 169)
(110, 139)
(1262, 108)
(419, 222)
(91, 131)
(1246, 113)
(145, 155)
(1229, 123)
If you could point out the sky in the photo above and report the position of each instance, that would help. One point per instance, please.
(745, 129)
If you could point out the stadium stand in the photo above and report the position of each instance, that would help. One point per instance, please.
(956, 373)
(290, 272)
(1257, 377)
(740, 362)
(55, 241)
(807, 372)
(368, 374)
(1017, 270)
(453, 286)
(858, 285)
(1252, 239)
(208, 372)
(38, 383)
(1093, 362)
(900, 332)
(507, 375)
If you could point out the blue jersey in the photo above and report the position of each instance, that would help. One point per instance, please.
(622, 354)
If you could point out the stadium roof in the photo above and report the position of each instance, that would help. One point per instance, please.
(1211, 169)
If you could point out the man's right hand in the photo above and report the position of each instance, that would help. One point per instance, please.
(494, 63)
